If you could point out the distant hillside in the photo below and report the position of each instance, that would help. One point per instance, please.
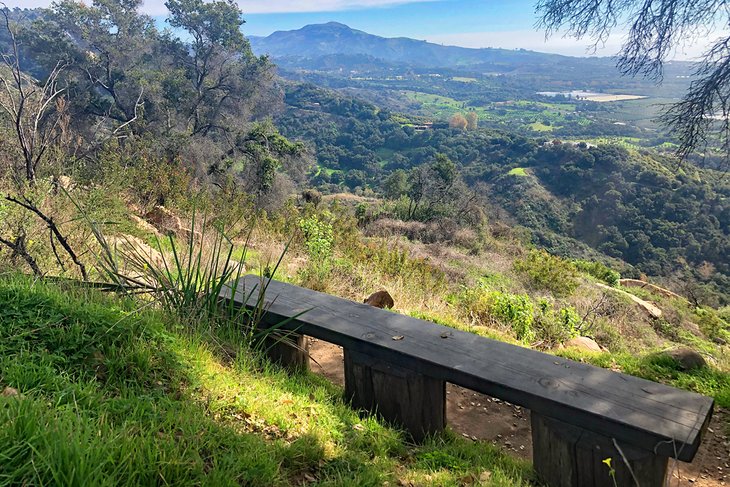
(319, 40)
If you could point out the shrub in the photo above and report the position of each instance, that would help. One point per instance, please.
(599, 270)
(515, 310)
(549, 272)
(319, 243)
(318, 237)
(711, 324)
(554, 326)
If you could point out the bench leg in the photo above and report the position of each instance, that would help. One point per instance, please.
(291, 350)
(399, 395)
(567, 456)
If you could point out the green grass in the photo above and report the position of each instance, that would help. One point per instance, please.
(518, 171)
(524, 113)
(111, 395)
(659, 368)
(540, 127)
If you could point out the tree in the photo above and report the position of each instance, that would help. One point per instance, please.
(655, 29)
(430, 186)
(471, 120)
(396, 184)
(111, 54)
(458, 122)
(35, 110)
(223, 77)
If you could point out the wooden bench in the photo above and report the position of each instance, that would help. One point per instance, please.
(397, 366)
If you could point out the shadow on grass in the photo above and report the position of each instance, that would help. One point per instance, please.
(109, 395)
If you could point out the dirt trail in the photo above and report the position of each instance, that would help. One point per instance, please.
(482, 418)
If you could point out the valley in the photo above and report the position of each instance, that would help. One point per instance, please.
(523, 197)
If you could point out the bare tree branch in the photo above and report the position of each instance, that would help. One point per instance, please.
(30, 206)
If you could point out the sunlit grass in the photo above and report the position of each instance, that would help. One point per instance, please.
(112, 395)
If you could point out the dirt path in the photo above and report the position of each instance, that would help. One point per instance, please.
(482, 418)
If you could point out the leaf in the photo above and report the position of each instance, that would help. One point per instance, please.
(398, 337)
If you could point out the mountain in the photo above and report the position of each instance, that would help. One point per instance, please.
(321, 40)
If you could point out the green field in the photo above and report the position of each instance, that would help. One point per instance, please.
(535, 116)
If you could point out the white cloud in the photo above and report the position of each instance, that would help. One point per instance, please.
(535, 40)
(157, 7)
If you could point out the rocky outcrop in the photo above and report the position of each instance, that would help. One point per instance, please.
(686, 358)
(650, 308)
(164, 220)
(649, 287)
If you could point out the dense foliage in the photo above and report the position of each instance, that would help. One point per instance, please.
(631, 205)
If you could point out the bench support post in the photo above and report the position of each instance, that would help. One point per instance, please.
(567, 456)
(399, 395)
(289, 349)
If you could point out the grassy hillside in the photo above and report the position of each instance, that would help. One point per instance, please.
(97, 392)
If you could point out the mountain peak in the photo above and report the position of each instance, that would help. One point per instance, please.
(334, 38)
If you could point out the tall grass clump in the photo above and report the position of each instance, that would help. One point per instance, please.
(318, 237)
(489, 307)
(185, 277)
(545, 271)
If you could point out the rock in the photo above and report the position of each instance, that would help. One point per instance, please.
(163, 219)
(584, 343)
(652, 310)
(143, 224)
(380, 299)
(650, 287)
(687, 358)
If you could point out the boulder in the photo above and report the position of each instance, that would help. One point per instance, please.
(687, 358)
(164, 220)
(380, 299)
(584, 343)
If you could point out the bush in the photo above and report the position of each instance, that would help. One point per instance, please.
(599, 270)
(549, 272)
(319, 243)
(486, 306)
(711, 323)
(554, 326)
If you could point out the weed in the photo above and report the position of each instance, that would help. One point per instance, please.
(549, 272)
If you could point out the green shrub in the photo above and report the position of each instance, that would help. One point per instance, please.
(319, 243)
(711, 324)
(515, 310)
(549, 272)
(318, 237)
(554, 326)
(599, 270)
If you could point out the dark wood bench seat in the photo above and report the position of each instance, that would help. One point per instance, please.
(398, 366)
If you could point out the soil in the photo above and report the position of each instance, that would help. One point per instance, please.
(483, 418)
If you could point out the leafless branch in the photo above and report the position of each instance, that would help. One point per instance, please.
(18, 248)
(30, 206)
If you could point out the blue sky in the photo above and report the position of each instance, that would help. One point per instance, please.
(469, 23)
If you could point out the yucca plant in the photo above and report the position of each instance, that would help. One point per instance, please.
(188, 279)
